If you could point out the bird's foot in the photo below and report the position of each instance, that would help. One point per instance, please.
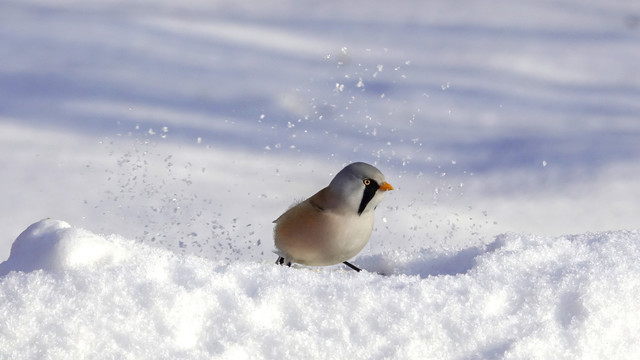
(281, 261)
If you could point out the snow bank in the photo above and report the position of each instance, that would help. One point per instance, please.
(69, 293)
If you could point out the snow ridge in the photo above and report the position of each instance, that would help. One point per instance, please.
(66, 292)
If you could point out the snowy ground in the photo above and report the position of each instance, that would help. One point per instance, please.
(189, 126)
(70, 293)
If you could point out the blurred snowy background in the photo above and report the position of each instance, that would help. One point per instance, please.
(194, 124)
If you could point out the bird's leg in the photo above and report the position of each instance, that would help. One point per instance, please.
(352, 266)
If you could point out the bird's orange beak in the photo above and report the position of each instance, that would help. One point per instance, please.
(385, 186)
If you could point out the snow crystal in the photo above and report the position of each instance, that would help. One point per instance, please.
(69, 293)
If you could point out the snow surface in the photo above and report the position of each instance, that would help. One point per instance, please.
(69, 293)
(186, 127)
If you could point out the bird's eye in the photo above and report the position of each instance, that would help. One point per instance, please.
(366, 182)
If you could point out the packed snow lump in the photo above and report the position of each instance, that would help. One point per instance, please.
(68, 293)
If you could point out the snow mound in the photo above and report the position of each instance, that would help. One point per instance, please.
(69, 293)
(54, 245)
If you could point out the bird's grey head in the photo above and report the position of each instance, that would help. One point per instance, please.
(361, 185)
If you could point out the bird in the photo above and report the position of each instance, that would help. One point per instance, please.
(335, 224)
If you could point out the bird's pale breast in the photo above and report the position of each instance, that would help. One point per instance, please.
(313, 236)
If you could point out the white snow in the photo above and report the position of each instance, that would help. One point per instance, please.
(186, 127)
(69, 293)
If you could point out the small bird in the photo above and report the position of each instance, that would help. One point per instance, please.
(333, 225)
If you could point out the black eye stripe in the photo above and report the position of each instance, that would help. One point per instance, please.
(370, 188)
